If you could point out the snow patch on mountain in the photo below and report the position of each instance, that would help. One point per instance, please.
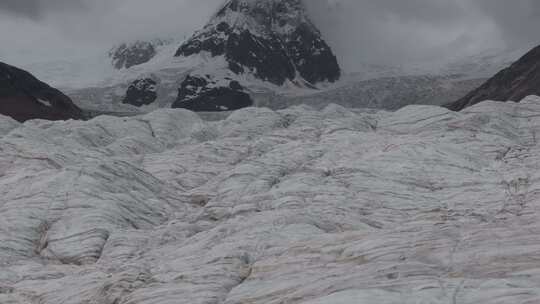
(135, 53)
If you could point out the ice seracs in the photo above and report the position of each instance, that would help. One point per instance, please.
(302, 206)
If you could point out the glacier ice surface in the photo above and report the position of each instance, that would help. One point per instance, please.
(304, 206)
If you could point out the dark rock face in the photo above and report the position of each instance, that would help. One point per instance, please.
(514, 83)
(265, 57)
(312, 57)
(141, 92)
(128, 55)
(24, 97)
(205, 95)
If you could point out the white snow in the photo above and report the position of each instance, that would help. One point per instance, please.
(44, 102)
(97, 71)
(295, 206)
(94, 84)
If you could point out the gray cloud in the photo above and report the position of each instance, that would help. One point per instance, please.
(397, 31)
(379, 31)
(36, 8)
(518, 20)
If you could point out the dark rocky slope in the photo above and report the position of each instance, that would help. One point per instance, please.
(24, 97)
(511, 84)
(273, 40)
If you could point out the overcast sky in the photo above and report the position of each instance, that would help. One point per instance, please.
(379, 31)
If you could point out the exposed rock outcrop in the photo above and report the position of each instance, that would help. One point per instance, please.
(141, 92)
(203, 94)
(514, 83)
(24, 97)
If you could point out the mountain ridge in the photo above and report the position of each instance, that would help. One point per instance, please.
(24, 97)
(513, 83)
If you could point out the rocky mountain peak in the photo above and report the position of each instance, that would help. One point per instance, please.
(272, 40)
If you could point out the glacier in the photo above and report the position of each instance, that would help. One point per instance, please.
(300, 205)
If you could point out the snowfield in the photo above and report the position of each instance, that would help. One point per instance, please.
(297, 206)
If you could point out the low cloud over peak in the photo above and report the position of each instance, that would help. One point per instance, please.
(382, 31)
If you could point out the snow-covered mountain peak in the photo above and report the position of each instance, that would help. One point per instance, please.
(263, 17)
(272, 41)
